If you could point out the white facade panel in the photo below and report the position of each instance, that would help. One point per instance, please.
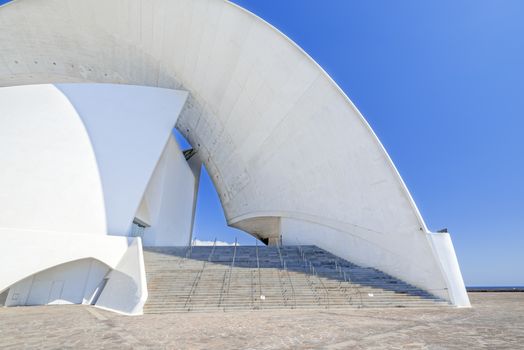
(128, 127)
(57, 257)
(126, 288)
(406, 258)
(49, 179)
(170, 199)
(69, 283)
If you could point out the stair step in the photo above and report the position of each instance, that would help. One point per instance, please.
(206, 280)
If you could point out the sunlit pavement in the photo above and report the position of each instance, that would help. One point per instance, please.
(495, 321)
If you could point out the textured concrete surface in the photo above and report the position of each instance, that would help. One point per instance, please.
(495, 322)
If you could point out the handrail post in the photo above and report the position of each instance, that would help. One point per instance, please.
(231, 267)
(199, 275)
(283, 262)
(259, 274)
(312, 269)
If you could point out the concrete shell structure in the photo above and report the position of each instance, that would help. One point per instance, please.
(291, 157)
(71, 185)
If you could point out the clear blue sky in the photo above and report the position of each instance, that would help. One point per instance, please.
(442, 84)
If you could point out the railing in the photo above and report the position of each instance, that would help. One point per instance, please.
(259, 274)
(198, 277)
(312, 271)
(252, 274)
(348, 280)
(189, 250)
(307, 275)
(223, 289)
(283, 262)
(283, 289)
(323, 287)
(345, 280)
(230, 273)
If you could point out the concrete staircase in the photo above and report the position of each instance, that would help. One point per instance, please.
(259, 277)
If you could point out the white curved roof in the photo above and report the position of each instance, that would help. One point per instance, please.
(277, 135)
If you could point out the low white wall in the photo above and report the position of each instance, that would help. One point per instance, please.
(26, 253)
(69, 283)
(444, 253)
(416, 265)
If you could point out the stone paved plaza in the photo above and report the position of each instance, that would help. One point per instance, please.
(495, 322)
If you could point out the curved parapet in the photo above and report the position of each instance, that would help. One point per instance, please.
(25, 253)
(285, 147)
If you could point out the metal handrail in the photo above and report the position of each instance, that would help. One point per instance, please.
(252, 274)
(280, 256)
(231, 267)
(303, 256)
(312, 268)
(199, 275)
(212, 250)
(325, 290)
(309, 280)
(292, 287)
(279, 277)
(259, 275)
(189, 249)
(223, 288)
(288, 277)
(356, 287)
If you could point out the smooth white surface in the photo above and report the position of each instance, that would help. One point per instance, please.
(128, 127)
(69, 283)
(49, 179)
(75, 155)
(445, 253)
(406, 258)
(126, 290)
(31, 252)
(277, 135)
(170, 200)
(80, 162)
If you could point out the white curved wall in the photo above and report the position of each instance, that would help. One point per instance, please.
(257, 109)
(129, 127)
(126, 289)
(31, 252)
(80, 156)
(77, 160)
(70, 283)
(49, 179)
(168, 204)
(367, 250)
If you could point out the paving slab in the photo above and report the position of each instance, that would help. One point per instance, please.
(496, 321)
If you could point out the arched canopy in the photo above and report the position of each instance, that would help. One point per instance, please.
(279, 138)
(265, 118)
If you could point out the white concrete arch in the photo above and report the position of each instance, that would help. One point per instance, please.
(258, 108)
